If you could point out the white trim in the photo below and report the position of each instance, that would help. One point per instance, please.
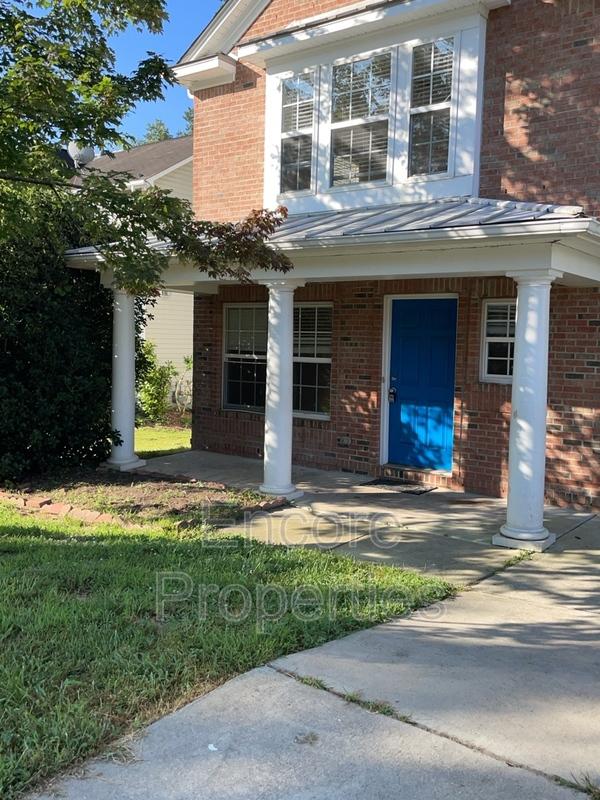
(386, 352)
(214, 71)
(484, 377)
(305, 34)
(230, 22)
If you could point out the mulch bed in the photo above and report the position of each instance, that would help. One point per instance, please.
(106, 496)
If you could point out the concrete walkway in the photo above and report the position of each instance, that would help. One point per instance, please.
(495, 693)
(440, 532)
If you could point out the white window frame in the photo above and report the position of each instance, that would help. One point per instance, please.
(451, 104)
(316, 72)
(357, 122)
(296, 359)
(484, 376)
(462, 177)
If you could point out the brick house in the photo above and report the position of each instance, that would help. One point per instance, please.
(440, 161)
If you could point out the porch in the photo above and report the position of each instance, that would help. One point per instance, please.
(433, 530)
(526, 249)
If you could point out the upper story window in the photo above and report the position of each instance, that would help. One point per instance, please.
(298, 100)
(397, 123)
(431, 96)
(498, 340)
(360, 120)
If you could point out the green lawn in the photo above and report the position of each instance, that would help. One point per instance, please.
(85, 657)
(160, 440)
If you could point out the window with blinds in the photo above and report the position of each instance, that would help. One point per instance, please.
(431, 96)
(297, 121)
(245, 357)
(360, 120)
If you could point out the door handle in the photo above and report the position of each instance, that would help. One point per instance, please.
(391, 395)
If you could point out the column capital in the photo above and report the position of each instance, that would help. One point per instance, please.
(534, 276)
(283, 284)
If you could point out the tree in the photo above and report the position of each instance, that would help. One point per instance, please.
(59, 82)
(156, 131)
(188, 118)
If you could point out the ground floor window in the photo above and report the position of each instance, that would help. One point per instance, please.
(245, 357)
(498, 340)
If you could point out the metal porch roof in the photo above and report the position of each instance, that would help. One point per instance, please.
(455, 212)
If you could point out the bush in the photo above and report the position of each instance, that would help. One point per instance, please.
(155, 386)
(55, 350)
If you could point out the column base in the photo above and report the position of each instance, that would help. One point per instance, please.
(289, 492)
(505, 539)
(125, 466)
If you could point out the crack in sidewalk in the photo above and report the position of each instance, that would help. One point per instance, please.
(585, 786)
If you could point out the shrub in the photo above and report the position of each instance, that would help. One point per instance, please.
(55, 350)
(155, 386)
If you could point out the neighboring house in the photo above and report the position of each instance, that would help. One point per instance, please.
(168, 165)
(424, 332)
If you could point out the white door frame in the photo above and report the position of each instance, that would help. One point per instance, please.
(386, 352)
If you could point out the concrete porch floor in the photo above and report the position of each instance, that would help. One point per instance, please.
(440, 532)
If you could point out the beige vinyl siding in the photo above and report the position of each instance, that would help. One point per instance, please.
(171, 328)
(179, 182)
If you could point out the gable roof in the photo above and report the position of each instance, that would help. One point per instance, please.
(225, 29)
(146, 161)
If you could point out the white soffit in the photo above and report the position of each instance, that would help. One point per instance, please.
(346, 22)
(213, 71)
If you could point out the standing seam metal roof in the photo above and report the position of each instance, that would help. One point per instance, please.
(455, 212)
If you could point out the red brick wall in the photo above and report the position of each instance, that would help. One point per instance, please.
(541, 137)
(482, 410)
(229, 147)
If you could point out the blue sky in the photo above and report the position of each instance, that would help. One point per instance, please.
(186, 19)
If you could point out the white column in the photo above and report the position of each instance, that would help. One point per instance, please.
(123, 456)
(279, 394)
(524, 528)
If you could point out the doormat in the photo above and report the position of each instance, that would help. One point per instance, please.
(398, 485)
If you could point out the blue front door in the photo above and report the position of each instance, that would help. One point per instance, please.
(421, 398)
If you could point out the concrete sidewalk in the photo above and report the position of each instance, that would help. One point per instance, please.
(497, 692)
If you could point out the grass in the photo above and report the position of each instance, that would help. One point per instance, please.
(152, 441)
(85, 656)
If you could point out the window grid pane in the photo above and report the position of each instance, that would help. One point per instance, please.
(361, 89)
(298, 103)
(499, 332)
(359, 154)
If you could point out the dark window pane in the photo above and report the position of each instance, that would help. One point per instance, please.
(359, 154)
(232, 393)
(296, 163)
(429, 140)
(497, 366)
(323, 400)
(308, 399)
(498, 349)
(324, 375)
